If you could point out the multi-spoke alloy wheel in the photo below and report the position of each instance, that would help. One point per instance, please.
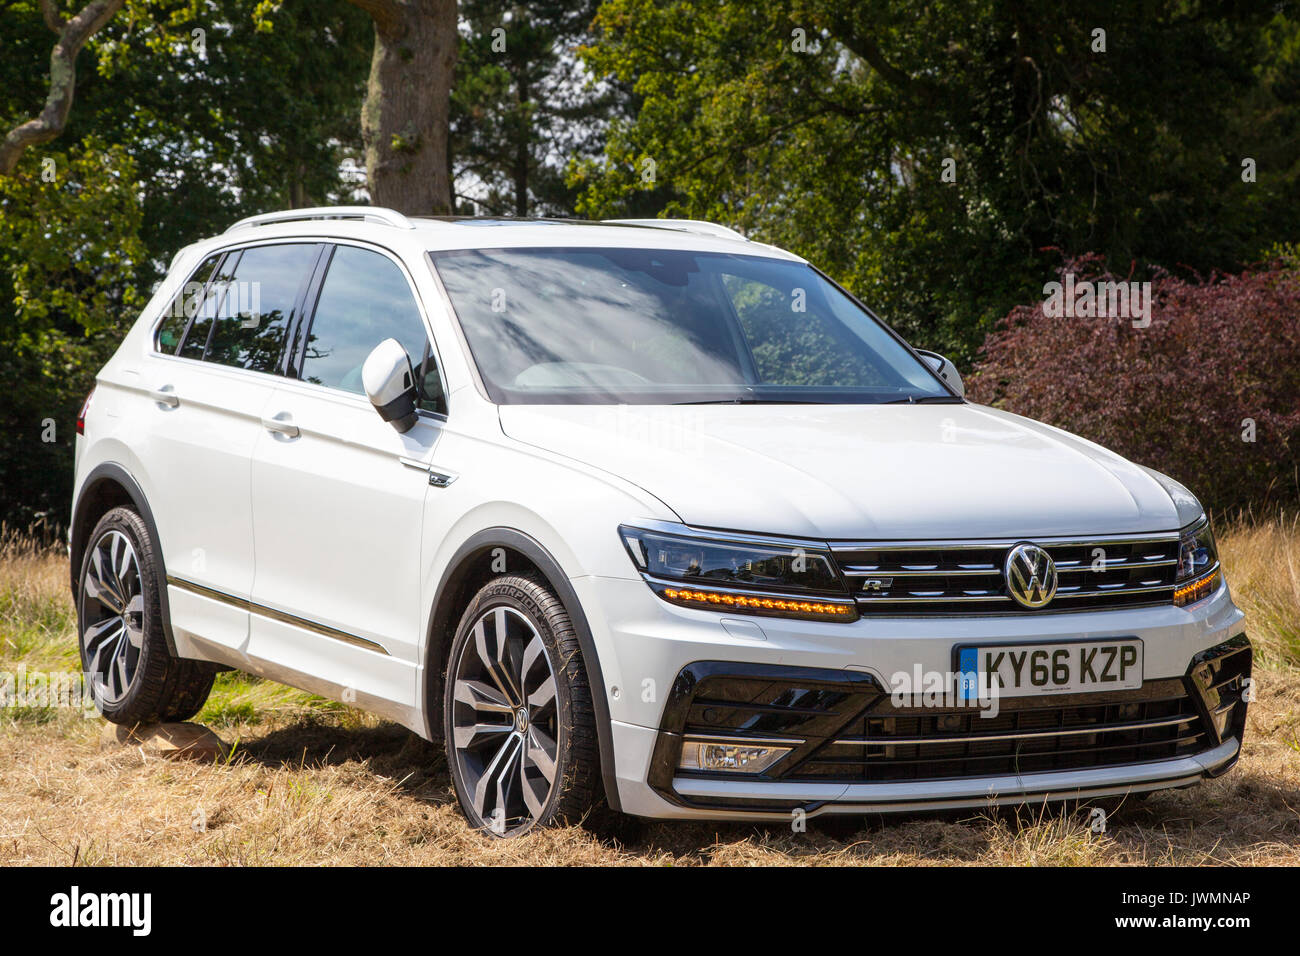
(133, 674)
(112, 616)
(504, 720)
(520, 731)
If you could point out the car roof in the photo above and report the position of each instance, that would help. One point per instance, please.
(487, 233)
(443, 233)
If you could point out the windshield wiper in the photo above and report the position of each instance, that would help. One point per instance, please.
(927, 400)
(749, 400)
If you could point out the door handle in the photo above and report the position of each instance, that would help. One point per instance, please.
(165, 395)
(281, 423)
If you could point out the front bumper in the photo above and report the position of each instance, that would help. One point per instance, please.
(1180, 727)
(744, 799)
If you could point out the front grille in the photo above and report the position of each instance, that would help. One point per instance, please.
(1028, 735)
(966, 577)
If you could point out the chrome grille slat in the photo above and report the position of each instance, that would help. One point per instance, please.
(1149, 589)
(977, 738)
(930, 577)
(925, 600)
(854, 572)
(992, 543)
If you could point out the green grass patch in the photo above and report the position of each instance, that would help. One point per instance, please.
(240, 698)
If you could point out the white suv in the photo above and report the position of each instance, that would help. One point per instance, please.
(640, 512)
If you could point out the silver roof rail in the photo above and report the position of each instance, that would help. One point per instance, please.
(697, 226)
(389, 217)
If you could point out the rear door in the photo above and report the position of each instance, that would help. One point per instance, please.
(339, 496)
(218, 352)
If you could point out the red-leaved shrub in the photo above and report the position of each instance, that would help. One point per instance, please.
(1219, 364)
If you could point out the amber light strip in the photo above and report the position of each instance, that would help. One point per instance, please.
(1190, 593)
(715, 598)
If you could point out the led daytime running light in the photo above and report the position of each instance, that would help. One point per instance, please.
(689, 596)
(1193, 591)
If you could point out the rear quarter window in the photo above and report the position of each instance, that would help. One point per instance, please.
(183, 307)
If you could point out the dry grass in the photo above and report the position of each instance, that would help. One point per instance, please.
(1262, 561)
(315, 783)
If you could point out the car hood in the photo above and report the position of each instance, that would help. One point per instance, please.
(858, 472)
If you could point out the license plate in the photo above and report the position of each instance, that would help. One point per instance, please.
(1023, 670)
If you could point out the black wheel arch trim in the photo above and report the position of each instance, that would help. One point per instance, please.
(82, 526)
(460, 564)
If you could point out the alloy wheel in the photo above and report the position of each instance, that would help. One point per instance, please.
(112, 616)
(505, 720)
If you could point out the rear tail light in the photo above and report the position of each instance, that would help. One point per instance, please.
(81, 416)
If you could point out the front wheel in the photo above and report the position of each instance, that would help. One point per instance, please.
(517, 713)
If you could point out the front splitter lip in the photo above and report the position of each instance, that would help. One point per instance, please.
(731, 796)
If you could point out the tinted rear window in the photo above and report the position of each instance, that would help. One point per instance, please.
(184, 307)
(259, 306)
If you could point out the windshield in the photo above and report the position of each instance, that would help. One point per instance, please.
(653, 326)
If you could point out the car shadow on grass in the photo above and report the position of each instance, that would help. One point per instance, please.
(1223, 820)
(417, 767)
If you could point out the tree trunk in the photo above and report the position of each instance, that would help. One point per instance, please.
(406, 115)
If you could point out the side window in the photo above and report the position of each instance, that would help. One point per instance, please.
(184, 307)
(196, 338)
(794, 340)
(365, 299)
(258, 308)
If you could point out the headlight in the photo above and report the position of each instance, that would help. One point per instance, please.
(1198, 564)
(763, 578)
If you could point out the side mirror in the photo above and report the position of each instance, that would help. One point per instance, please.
(944, 369)
(390, 384)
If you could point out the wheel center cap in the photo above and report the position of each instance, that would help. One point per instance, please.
(521, 719)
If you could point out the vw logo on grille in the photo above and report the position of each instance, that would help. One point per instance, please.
(1030, 574)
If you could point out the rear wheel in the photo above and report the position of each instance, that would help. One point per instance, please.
(133, 676)
(519, 725)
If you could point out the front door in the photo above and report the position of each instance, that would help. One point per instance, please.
(339, 496)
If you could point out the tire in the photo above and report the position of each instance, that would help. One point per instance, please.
(134, 677)
(500, 757)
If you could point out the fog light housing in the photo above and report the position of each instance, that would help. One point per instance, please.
(715, 755)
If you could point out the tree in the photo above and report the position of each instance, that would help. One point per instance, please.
(188, 116)
(937, 157)
(73, 34)
(69, 255)
(229, 110)
(404, 120)
(521, 108)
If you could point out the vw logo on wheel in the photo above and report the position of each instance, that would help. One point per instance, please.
(1030, 574)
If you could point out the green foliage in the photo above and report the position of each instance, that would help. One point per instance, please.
(520, 108)
(69, 241)
(188, 115)
(255, 111)
(69, 256)
(827, 127)
(824, 126)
